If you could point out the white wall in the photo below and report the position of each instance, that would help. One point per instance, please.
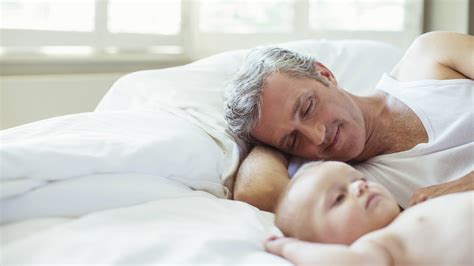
(26, 99)
(447, 15)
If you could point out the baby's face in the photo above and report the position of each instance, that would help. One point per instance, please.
(340, 204)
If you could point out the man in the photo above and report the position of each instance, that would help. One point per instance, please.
(413, 134)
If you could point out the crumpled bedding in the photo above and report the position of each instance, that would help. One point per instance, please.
(183, 227)
(37, 158)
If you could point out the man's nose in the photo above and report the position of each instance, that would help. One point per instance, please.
(359, 187)
(315, 133)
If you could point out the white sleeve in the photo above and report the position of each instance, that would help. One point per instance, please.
(294, 164)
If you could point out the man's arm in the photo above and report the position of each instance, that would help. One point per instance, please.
(261, 178)
(437, 55)
(462, 184)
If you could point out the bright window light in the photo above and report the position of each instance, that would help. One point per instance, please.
(357, 15)
(194, 28)
(244, 16)
(54, 15)
(163, 49)
(152, 17)
(66, 50)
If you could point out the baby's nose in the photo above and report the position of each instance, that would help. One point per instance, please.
(359, 187)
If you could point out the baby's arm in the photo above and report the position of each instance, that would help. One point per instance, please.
(308, 253)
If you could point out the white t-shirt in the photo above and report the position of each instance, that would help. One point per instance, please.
(445, 108)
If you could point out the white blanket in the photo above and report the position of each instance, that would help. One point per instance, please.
(185, 227)
(81, 195)
(34, 157)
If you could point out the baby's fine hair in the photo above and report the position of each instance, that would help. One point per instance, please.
(285, 219)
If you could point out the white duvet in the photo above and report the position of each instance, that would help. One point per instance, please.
(183, 227)
(38, 158)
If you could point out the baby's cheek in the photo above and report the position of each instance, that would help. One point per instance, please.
(380, 189)
(349, 222)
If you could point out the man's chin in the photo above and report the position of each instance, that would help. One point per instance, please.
(350, 155)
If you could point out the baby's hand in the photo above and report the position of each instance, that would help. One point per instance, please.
(307, 253)
(296, 251)
(291, 249)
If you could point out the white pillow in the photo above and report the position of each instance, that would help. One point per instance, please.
(195, 91)
(357, 64)
(152, 143)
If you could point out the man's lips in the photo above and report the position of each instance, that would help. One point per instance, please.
(372, 198)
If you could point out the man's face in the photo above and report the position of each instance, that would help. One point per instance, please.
(341, 205)
(303, 117)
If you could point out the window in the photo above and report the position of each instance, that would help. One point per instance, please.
(232, 24)
(152, 17)
(81, 27)
(195, 28)
(357, 15)
(48, 15)
(226, 16)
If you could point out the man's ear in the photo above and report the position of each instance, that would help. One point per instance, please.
(323, 71)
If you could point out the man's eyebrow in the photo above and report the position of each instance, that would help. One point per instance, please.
(296, 107)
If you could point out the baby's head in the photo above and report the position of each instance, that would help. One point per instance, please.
(331, 202)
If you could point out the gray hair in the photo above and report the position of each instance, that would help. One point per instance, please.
(243, 98)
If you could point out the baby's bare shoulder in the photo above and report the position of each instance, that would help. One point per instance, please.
(426, 233)
(440, 212)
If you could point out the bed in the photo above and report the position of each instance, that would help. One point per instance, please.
(146, 178)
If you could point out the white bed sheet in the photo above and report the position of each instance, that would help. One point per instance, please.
(184, 227)
(86, 194)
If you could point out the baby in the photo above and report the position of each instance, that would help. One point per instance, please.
(333, 203)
